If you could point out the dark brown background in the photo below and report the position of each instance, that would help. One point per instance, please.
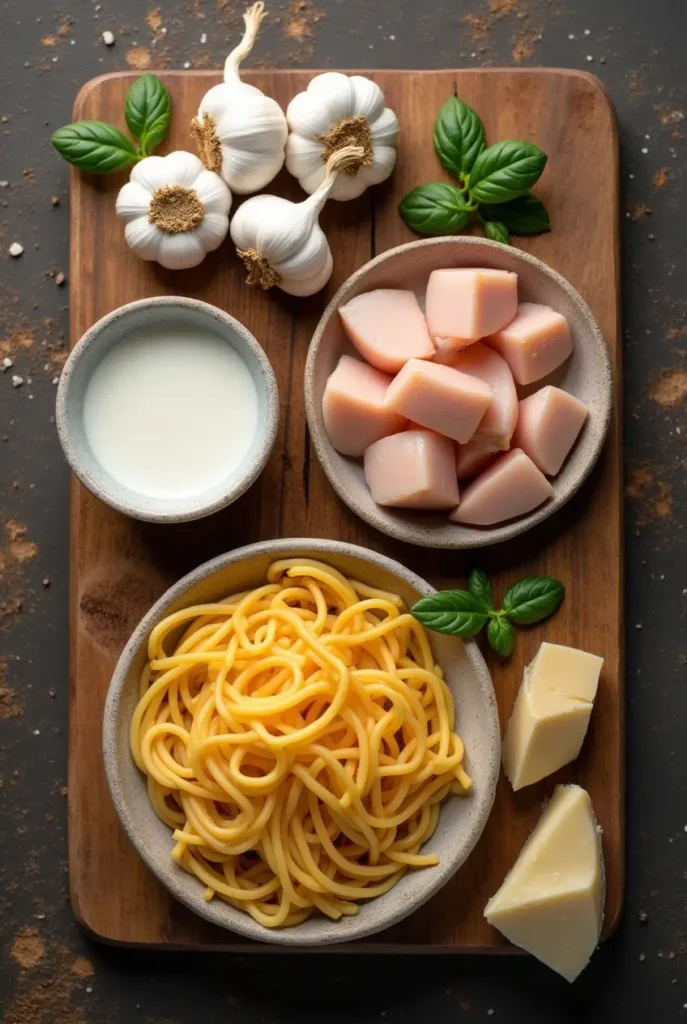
(49, 971)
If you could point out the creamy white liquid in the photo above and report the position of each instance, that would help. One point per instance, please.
(171, 412)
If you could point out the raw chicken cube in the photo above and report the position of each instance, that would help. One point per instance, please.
(535, 343)
(414, 469)
(550, 421)
(353, 408)
(474, 457)
(387, 327)
(498, 423)
(511, 487)
(440, 398)
(464, 305)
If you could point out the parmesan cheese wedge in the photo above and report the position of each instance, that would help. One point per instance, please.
(551, 713)
(551, 903)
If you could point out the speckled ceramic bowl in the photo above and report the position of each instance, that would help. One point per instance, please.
(587, 375)
(87, 355)
(462, 819)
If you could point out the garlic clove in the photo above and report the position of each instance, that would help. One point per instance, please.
(308, 260)
(368, 98)
(213, 193)
(182, 251)
(182, 168)
(145, 238)
(309, 285)
(132, 201)
(212, 230)
(333, 91)
(381, 166)
(151, 173)
(385, 128)
(308, 116)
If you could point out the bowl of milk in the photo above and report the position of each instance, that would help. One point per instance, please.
(167, 409)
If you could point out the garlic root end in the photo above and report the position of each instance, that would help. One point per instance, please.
(259, 270)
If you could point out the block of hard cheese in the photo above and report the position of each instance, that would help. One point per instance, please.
(465, 304)
(510, 487)
(439, 398)
(551, 713)
(387, 327)
(353, 407)
(552, 902)
(548, 425)
(534, 343)
(414, 469)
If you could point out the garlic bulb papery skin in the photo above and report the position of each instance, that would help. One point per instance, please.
(282, 243)
(175, 210)
(339, 110)
(240, 133)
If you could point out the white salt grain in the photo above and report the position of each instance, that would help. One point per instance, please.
(16, 249)
(108, 38)
(17, 381)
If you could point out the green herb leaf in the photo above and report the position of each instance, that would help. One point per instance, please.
(455, 612)
(525, 215)
(435, 209)
(480, 587)
(148, 111)
(497, 231)
(94, 146)
(532, 599)
(458, 137)
(505, 171)
(501, 636)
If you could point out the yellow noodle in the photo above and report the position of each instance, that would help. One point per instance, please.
(298, 740)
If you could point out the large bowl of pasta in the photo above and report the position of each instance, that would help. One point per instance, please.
(293, 756)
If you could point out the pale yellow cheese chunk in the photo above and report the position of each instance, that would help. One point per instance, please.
(551, 902)
(551, 713)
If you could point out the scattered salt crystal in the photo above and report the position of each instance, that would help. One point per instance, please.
(36, 732)
(6, 363)
(204, 37)
(642, 957)
(589, 57)
(392, 38)
(16, 249)
(638, 625)
(587, 32)
(17, 381)
(108, 38)
(56, 380)
(89, 989)
(570, 35)
(4, 184)
(187, 63)
(644, 150)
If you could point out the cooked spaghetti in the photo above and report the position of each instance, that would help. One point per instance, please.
(298, 738)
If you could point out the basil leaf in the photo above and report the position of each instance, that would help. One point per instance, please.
(532, 599)
(525, 215)
(455, 612)
(435, 209)
(94, 146)
(148, 111)
(458, 137)
(501, 636)
(480, 587)
(505, 171)
(497, 231)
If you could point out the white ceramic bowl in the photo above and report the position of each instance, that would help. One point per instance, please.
(86, 356)
(461, 821)
(587, 375)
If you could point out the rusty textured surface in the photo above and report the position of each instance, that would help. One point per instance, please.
(49, 971)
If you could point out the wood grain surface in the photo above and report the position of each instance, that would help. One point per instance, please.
(118, 566)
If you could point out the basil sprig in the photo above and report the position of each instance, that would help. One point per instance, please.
(464, 613)
(100, 147)
(494, 182)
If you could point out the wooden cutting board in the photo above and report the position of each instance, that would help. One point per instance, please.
(120, 566)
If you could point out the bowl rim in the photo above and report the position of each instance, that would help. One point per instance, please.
(269, 424)
(411, 532)
(181, 887)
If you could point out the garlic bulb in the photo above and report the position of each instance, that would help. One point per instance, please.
(240, 133)
(282, 243)
(340, 110)
(175, 210)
